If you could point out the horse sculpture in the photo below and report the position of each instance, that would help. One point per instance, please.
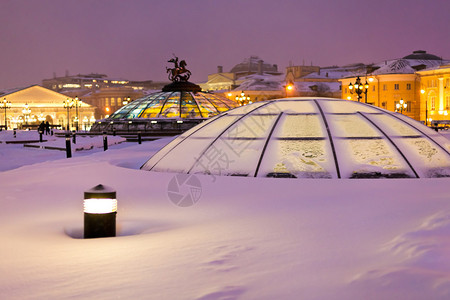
(179, 72)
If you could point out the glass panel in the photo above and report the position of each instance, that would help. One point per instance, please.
(215, 129)
(251, 127)
(171, 108)
(216, 102)
(346, 106)
(242, 110)
(428, 159)
(177, 160)
(370, 159)
(206, 107)
(137, 110)
(300, 158)
(393, 127)
(293, 107)
(351, 126)
(299, 126)
(230, 158)
(189, 108)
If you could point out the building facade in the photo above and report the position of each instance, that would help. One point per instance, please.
(435, 94)
(32, 105)
(417, 81)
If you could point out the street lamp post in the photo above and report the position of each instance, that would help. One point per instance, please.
(5, 105)
(68, 104)
(359, 88)
(242, 99)
(26, 112)
(77, 104)
(401, 106)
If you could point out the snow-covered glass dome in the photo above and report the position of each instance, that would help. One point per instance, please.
(175, 104)
(307, 138)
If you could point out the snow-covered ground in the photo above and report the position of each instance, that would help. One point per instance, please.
(244, 238)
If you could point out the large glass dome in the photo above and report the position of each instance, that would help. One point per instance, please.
(307, 138)
(176, 104)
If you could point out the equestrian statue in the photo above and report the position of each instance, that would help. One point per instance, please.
(179, 72)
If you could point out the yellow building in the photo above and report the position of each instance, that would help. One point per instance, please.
(435, 94)
(417, 81)
(387, 90)
(32, 105)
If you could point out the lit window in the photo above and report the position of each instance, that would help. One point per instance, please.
(433, 102)
(447, 102)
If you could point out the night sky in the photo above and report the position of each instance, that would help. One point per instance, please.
(134, 39)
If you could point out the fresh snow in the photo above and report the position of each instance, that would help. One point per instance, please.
(245, 238)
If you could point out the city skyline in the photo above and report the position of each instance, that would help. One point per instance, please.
(134, 40)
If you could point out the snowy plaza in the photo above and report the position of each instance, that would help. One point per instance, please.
(238, 238)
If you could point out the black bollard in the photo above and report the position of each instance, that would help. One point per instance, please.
(114, 132)
(68, 147)
(74, 138)
(100, 210)
(14, 132)
(51, 132)
(105, 141)
(40, 136)
(139, 138)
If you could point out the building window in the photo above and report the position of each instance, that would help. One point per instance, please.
(396, 86)
(383, 104)
(408, 86)
(447, 82)
(447, 102)
(433, 102)
(384, 87)
(408, 106)
(113, 101)
(373, 88)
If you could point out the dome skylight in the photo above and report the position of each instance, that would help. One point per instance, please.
(307, 138)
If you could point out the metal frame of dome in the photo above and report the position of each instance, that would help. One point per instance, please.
(307, 138)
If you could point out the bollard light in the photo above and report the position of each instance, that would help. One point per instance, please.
(100, 210)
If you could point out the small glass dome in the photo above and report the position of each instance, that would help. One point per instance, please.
(175, 104)
(307, 138)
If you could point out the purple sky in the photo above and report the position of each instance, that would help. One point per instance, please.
(134, 39)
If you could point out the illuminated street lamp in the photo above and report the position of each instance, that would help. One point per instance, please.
(358, 88)
(289, 87)
(77, 104)
(5, 105)
(242, 99)
(401, 106)
(26, 112)
(68, 104)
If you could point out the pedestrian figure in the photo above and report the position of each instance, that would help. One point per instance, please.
(47, 128)
(41, 127)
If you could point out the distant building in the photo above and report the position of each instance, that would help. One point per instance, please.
(314, 81)
(97, 81)
(32, 105)
(391, 81)
(106, 94)
(227, 81)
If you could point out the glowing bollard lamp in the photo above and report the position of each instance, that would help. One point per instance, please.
(100, 209)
